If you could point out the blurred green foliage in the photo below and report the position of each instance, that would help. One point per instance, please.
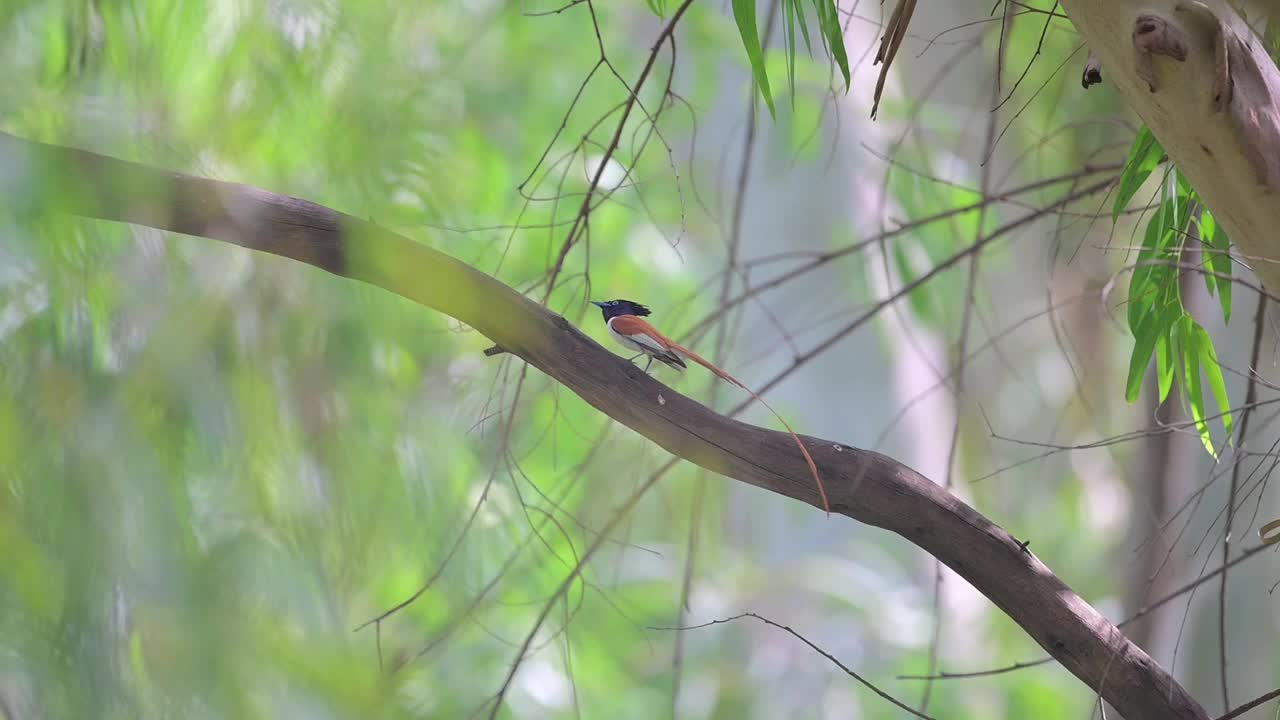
(215, 465)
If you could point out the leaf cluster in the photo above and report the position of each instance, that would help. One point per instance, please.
(1157, 315)
(795, 16)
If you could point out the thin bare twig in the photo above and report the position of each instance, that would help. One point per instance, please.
(1237, 712)
(814, 647)
(632, 100)
(1250, 397)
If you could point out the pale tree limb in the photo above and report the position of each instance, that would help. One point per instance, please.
(864, 485)
(1203, 82)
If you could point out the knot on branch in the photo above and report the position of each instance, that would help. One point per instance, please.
(1153, 35)
(1224, 46)
(1246, 86)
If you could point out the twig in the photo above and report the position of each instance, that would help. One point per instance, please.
(815, 648)
(1250, 705)
(1250, 397)
(632, 99)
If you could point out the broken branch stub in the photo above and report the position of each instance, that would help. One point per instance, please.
(1153, 35)
(1092, 74)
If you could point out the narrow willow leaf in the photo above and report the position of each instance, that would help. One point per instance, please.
(744, 13)
(833, 34)
(1208, 228)
(789, 41)
(1213, 372)
(1190, 346)
(1145, 337)
(1143, 156)
(1184, 185)
(1148, 281)
(804, 27)
(1155, 278)
(1218, 253)
(1164, 368)
(1179, 194)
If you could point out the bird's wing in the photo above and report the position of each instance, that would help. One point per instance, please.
(641, 332)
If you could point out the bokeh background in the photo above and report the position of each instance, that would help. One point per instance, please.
(216, 465)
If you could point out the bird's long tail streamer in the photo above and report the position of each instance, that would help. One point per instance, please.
(813, 467)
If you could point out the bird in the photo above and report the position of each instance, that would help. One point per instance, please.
(627, 326)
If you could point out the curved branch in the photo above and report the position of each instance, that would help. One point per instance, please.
(862, 484)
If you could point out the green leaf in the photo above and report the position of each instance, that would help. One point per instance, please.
(789, 46)
(1149, 281)
(1213, 372)
(1217, 257)
(1144, 154)
(1184, 185)
(1155, 285)
(1208, 229)
(744, 13)
(658, 7)
(804, 26)
(1164, 368)
(1190, 346)
(1145, 337)
(833, 35)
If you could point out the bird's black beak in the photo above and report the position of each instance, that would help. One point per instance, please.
(596, 303)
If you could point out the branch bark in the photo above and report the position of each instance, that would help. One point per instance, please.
(1215, 106)
(863, 485)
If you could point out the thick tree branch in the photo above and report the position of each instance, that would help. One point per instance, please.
(862, 485)
(1213, 102)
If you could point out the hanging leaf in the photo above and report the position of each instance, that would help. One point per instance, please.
(1151, 280)
(804, 25)
(1144, 344)
(833, 35)
(1144, 155)
(1164, 368)
(1189, 345)
(1217, 258)
(1159, 322)
(1213, 373)
(744, 13)
(1153, 334)
(789, 47)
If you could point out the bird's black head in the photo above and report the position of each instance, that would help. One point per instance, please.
(614, 308)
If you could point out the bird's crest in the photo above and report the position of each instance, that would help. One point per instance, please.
(614, 308)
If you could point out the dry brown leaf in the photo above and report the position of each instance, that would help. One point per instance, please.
(889, 44)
